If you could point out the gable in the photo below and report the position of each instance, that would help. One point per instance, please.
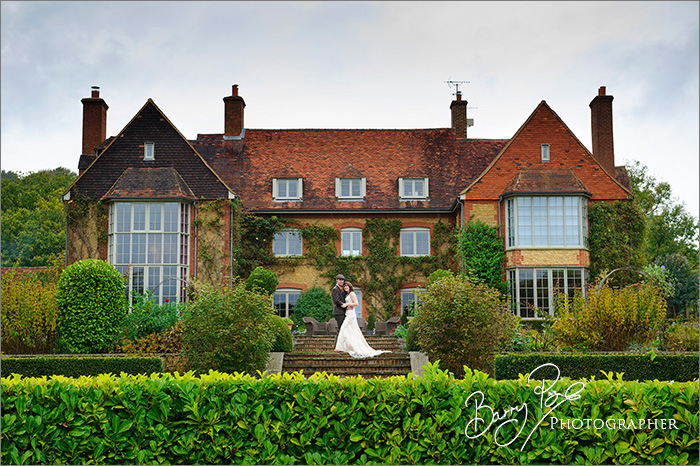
(122, 162)
(570, 163)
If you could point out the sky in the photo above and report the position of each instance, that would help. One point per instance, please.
(355, 65)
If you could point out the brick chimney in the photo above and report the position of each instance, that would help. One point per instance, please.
(94, 121)
(602, 130)
(233, 115)
(459, 116)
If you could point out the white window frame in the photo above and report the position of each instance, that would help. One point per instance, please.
(287, 234)
(543, 297)
(149, 245)
(514, 239)
(288, 307)
(363, 188)
(412, 231)
(544, 149)
(403, 182)
(352, 249)
(277, 195)
(358, 293)
(405, 301)
(149, 150)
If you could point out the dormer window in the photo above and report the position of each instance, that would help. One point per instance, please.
(350, 188)
(286, 189)
(149, 150)
(545, 152)
(413, 188)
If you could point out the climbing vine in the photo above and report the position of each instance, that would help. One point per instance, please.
(615, 238)
(382, 271)
(89, 221)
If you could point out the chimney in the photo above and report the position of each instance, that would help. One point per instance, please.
(459, 116)
(602, 130)
(233, 115)
(94, 121)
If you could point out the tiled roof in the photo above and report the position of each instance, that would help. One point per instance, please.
(126, 151)
(320, 155)
(156, 183)
(545, 181)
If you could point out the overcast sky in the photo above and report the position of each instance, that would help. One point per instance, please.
(355, 65)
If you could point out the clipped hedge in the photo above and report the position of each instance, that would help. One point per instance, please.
(286, 419)
(678, 367)
(79, 366)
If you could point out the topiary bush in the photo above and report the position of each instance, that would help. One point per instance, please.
(227, 329)
(411, 338)
(610, 319)
(283, 336)
(461, 323)
(91, 306)
(315, 302)
(263, 281)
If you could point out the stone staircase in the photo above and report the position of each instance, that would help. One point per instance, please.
(315, 354)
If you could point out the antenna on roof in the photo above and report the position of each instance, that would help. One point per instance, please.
(456, 84)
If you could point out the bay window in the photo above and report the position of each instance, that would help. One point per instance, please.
(532, 288)
(546, 221)
(149, 245)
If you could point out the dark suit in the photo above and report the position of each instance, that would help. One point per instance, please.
(338, 296)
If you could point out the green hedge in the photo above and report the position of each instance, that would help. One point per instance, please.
(79, 366)
(678, 367)
(286, 419)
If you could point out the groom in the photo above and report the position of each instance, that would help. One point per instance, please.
(338, 296)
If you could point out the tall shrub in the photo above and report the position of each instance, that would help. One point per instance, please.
(29, 314)
(262, 280)
(461, 323)
(610, 319)
(483, 254)
(91, 306)
(315, 302)
(685, 281)
(227, 329)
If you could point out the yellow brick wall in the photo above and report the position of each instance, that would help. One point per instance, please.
(547, 258)
(486, 212)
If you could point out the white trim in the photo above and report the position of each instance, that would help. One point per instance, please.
(277, 196)
(363, 188)
(149, 154)
(402, 188)
(544, 150)
(415, 244)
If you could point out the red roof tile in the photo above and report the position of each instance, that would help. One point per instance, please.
(320, 155)
(164, 183)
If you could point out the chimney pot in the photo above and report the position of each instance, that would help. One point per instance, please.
(601, 91)
(234, 89)
(459, 96)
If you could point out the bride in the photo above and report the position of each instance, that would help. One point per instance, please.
(350, 338)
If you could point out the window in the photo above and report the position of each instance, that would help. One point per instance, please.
(286, 189)
(350, 188)
(415, 242)
(358, 293)
(149, 245)
(409, 297)
(413, 188)
(351, 242)
(545, 152)
(549, 221)
(287, 243)
(148, 150)
(284, 301)
(532, 288)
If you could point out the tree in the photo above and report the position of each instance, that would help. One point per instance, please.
(33, 216)
(670, 227)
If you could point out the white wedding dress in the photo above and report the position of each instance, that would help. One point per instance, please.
(350, 338)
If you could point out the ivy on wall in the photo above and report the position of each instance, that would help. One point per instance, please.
(615, 237)
(382, 272)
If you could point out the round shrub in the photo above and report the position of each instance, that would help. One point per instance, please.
(461, 323)
(227, 330)
(91, 306)
(263, 281)
(315, 302)
(283, 336)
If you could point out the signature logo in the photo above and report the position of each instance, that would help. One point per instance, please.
(485, 417)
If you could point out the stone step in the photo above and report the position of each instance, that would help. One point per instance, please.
(327, 343)
(342, 364)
